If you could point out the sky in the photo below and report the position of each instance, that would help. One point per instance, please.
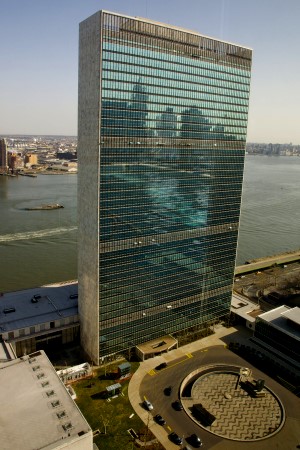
(39, 58)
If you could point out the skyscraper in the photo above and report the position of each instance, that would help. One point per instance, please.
(3, 156)
(161, 143)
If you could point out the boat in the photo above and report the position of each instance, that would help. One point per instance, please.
(45, 207)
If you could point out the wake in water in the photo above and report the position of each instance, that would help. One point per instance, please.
(24, 236)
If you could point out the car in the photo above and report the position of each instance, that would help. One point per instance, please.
(148, 405)
(177, 405)
(195, 441)
(175, 438)
(36, 298)
(161, 366)
(73, 296)
(168, 390)
(159, 419)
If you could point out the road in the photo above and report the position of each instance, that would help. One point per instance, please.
(154, 382)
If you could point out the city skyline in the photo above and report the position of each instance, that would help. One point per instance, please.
(39, 53)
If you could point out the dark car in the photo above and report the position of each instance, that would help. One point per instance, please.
(177, 405)
(36, 298)
(168, 390)
(175, 438)
(159, 419)
(195, 441)
(73, 296)
(161, 366)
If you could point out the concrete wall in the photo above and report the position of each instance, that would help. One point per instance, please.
(88, 184)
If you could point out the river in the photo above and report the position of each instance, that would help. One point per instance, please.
(38, 247)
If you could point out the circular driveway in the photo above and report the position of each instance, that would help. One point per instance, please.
(153, 383)
(235, 413)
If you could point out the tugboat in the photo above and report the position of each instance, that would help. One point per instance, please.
(45, 207)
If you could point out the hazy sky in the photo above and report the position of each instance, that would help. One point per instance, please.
(39, 58)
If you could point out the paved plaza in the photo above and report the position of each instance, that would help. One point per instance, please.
(238, 415)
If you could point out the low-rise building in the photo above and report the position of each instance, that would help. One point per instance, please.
(40, 318)
(279, 329)
(37, 412)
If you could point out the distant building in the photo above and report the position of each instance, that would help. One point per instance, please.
(15, 161)
(161, 144)
(31, 159)
(37, 412)
(66, 155)
(3, 156)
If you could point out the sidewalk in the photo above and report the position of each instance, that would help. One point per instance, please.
(145, 366)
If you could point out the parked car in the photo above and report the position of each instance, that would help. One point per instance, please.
(36, 298)
(73, 296)
(195, 441)
(175, 438)
(158, 418)
(168, 390)
(148, 405)
(177, 405)
(161, 366)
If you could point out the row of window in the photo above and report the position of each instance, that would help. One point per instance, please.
(131, 333)
(120, 109)
(41, 327)
(163, 70)
(142, 53)
(183, 80)
(167, 120)
(171, 101)
(120, 89)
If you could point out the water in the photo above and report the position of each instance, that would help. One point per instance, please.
(270, 214)
(39, 247)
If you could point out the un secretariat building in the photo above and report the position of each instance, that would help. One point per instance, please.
(161, 142)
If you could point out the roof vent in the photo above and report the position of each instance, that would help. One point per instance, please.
(50, 393)
(61, 414)
(67, 426)
(55, 404)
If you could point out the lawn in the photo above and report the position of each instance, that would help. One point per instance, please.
(110, 417)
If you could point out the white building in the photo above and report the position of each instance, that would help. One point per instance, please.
(36, 410)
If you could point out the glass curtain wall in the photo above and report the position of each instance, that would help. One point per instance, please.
(173, 127)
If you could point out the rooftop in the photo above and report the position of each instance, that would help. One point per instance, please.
(278, 318)
(36, 409)
(18, 311)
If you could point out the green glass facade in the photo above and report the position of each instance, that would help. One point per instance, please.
(172, 129)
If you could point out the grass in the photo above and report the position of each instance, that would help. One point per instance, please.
(111, 418)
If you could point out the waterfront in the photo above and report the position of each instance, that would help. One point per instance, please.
(39, 247)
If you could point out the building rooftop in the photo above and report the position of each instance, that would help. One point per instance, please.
(167, 25)
(278, 318)
(36, 410)
(18, 311)
(293, 314)
(244, 308)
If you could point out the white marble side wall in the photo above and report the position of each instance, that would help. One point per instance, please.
(88, 184)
